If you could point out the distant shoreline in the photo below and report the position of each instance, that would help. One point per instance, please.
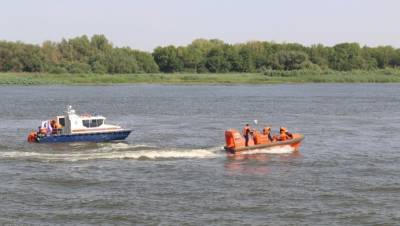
(268, 77)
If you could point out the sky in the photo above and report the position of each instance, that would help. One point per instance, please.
(146, 24)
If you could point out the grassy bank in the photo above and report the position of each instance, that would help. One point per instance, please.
(301, 76)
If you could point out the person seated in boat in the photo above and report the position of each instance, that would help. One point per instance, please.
(284, 134)
(256, 135)
(55, 126)
(246, 134)
(267, 131)
(52, 125)
(289, 134)
(42, 130)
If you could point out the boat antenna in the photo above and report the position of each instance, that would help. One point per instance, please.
(255, 121)
(70, 110)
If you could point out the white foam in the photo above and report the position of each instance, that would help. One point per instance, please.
(114, 151)
(272, 150)
(120, 146)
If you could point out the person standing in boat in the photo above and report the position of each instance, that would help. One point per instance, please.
(246, 134)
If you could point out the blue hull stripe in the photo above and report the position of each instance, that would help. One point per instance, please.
(91, 137)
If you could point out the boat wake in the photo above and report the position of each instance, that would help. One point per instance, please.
(272, 150)
(112, 151)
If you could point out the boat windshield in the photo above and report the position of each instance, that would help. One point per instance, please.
(92, 123)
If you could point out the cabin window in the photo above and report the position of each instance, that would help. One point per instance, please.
(86, 123)
(61, 121)
(99, 122)
(92, 123)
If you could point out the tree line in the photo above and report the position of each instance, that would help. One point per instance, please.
(76, 55)
(97, 55)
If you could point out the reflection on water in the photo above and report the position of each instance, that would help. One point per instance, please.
(248, 164)
(257, 163)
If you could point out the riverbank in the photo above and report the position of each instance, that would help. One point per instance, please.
(268, 77)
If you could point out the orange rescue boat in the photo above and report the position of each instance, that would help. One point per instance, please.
(235, 142)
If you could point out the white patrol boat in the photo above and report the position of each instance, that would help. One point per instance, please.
(77, 128)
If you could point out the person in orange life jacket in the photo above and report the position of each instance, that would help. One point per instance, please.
(267, 131)
(246, 134)
(284, 134)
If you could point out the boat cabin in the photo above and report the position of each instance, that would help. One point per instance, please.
(73, 123)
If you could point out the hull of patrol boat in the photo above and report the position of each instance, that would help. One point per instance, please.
(294, 143)
(86, 137)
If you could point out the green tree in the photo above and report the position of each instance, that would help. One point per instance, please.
(77, 67)
(122, 60)
(192, 59)
(167, 59)
(101, 43)
(216, 60)
(346, 57)
(32, 59)
(8, 57)
(320, 54)
(145, 62)
(383, 55)
(395, 60)
(51, 53)
(290, 60)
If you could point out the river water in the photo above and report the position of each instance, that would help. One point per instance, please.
(171, 170)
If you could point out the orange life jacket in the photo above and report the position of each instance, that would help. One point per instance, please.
(283, 137)
(32, 137)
